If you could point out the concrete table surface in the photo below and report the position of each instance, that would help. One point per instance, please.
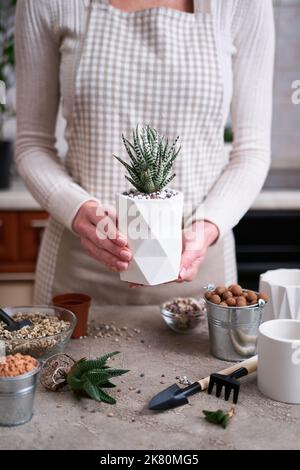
(148, 347)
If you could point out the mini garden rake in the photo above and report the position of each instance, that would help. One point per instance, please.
(229, 382)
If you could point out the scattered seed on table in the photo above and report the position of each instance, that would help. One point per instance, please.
(139, 391)
(132, 419)
(162, 375)
(116, 340)
(162, 382)
(110, 415)
(142, 375)
(118, 390)
(142, 340)
(136, 330)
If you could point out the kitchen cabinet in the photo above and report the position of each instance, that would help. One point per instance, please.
(266, 239)
(20, 237)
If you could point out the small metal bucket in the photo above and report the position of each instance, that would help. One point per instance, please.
(16, 398)
(233, 331)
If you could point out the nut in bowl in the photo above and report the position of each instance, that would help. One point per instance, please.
(234, 296)
(51, 330)
(234, 315)
(183, 314)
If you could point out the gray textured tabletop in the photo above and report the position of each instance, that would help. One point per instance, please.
(155, 356)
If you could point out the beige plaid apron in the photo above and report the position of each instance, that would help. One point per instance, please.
(159, 67)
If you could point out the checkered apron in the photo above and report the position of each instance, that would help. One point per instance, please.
(158, 67)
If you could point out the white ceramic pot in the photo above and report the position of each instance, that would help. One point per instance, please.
(283, 288)
(153, 228)
(278, 368)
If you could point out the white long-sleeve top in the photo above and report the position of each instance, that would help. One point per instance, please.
(46, 70)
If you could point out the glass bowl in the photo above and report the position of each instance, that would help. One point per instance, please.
(183, 321)
(40, 347)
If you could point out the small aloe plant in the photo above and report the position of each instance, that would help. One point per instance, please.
(90, 377)
(151, 159)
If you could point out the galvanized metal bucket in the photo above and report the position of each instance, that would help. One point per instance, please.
(16, 398)
(233, 331)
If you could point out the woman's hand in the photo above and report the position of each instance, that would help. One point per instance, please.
(99, 236)
(196, 240)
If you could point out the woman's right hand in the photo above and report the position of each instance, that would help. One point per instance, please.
(99, 236)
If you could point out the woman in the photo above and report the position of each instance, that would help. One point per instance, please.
(176, 65)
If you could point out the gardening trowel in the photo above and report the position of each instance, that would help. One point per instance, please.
(11, 324)
(174, 396)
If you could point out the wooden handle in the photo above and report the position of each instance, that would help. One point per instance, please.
(249, 364)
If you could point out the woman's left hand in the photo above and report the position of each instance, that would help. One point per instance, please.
(196, 240)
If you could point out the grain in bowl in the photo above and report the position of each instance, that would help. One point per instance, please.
(50, 331)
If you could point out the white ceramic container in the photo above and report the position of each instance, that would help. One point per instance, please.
(278, 368)
(283, 288)
(153, 228)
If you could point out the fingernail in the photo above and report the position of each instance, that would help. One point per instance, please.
(126, 255)
(122, 266)
(121, 241)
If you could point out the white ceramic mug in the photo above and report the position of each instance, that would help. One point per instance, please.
(278, 367)
(283, 289)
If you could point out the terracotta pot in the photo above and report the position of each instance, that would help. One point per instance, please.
(79, 304)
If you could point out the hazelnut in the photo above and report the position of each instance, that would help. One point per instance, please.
(208, 295)
(241, 301)
(231, 302)
(227, 295)
(264, 296)
(220, 290)
(215, 299)
(223, 304)
(236, 289)
(251, 295)
(253, 302)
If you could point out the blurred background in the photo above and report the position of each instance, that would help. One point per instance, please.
(267, 237)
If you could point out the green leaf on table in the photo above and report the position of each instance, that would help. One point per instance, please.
(219, 417)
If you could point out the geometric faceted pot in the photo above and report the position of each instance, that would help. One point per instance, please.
(153, 228)
(283, 289)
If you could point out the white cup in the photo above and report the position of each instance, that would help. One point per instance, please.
(278, 367)
(283, 289)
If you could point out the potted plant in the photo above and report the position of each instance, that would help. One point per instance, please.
(7, 63)
(150, 214)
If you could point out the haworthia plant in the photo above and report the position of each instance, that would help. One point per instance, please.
(89, 377)
(151, 159)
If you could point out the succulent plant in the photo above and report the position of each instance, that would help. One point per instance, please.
(151, 159)
(84, 377)
(89, 377)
